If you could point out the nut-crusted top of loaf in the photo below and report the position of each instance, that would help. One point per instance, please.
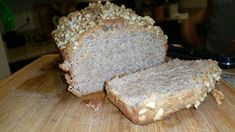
(70, 28)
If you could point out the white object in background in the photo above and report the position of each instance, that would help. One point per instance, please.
(4, 66)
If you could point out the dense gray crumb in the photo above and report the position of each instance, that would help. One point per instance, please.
(165, 89)
(104, 56)
(102, 41)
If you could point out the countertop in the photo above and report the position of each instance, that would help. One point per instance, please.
(35, 99)
(30, 50)
(229, 76)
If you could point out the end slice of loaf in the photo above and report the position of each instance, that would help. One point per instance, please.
(102, 41)
(154, 93)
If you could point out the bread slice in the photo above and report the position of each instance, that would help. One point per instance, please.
(102, 41)
(154, 93)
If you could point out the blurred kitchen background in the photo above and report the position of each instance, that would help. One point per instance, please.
(30, 22)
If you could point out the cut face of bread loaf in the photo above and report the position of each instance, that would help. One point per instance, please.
(154, 93)
(102, 41)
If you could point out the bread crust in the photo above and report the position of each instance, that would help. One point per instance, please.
(76, 23)
(169, 104)
(68, 52)
(156, 106)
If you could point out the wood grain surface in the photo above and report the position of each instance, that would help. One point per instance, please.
(35, 99)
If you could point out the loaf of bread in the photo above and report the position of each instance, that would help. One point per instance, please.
(154, 93)
(102, 41)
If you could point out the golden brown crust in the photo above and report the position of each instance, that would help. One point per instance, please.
(79, 94)
(121, 105)
(166, 48)
(170, 104)
(74, 91)
(156, 106)
(75, 24)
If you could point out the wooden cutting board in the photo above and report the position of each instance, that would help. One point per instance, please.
(35, 99)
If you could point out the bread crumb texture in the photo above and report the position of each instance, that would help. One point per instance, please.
(157, 92)
(167, 79)
(71, 28)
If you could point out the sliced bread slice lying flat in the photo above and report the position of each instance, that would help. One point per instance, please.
(154, 93)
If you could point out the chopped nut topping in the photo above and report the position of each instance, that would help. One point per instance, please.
(217, 95)
(71, 27)
(142, 111)
(197, 103)
(188, 106)
(151, 105)
(202, 98)
(143, 117)
(158, 114)
(206, 81)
